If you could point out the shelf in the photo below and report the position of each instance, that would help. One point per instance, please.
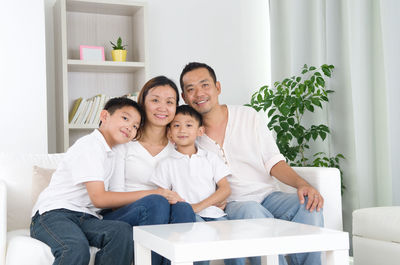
(83, 126)
(121, 8)
(104, 66)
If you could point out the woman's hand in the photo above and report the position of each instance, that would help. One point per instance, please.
(170, 195)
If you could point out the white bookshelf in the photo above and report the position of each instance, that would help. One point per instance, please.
(95, 23)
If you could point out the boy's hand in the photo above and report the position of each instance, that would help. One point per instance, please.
(170, 195)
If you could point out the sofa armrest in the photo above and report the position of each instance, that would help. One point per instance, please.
(3, 221)
(327, 182)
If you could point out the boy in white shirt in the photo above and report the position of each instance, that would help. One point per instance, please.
(193, 172)
(65, 217)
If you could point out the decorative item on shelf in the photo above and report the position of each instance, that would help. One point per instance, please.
(286, 103)
(91, 53)
(87, 111)
(132, 96)
(118, 53)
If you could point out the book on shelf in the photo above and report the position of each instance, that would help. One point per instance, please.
(87, 111)
(74, 109)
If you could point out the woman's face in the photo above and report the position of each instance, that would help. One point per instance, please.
(160, 105)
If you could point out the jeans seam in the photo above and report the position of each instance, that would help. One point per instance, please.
(55, 238)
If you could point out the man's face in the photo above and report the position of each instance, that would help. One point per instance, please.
(200, 91)
(121, 126)
(184, 129)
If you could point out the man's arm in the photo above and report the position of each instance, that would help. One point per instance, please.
(284, 173)
(223, 191)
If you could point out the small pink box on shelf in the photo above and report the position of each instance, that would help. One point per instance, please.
(91, 53)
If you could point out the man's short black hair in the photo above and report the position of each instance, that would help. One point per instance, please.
(119, 102)
(188, 110)
(193, 66)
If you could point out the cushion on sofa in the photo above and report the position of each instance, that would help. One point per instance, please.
(380, 223)
(40, 180)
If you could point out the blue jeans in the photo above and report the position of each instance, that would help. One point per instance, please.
(151, 210)
(69, 235)
(207, 219)
(280, 205)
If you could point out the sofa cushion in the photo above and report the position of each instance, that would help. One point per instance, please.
(380, 223)
(35, 252)
(16, 172)
(40, 180)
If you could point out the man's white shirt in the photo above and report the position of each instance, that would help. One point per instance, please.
(250, 151)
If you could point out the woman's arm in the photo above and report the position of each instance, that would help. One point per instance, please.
(223, 191)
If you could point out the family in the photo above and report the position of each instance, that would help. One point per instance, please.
(154, 162)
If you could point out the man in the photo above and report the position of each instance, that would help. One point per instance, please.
(240, 136)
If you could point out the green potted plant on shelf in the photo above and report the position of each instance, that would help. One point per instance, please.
(286, 103)
(118, 53)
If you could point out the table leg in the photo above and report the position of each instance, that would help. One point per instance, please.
(142, 255)
(337, 257)
(270, 260)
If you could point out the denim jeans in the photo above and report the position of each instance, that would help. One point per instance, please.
(151, 210)
(280, 205)
(69, 235)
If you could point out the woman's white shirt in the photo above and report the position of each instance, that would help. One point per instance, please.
(140, 164)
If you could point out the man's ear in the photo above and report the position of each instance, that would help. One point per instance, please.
(201, 131)
(218, 86)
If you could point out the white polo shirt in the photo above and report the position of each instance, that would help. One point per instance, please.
(250, 151)
(140, 165)
(88, 159)
(193, 178)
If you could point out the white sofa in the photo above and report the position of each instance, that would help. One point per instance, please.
(16, 186)
(376, 236)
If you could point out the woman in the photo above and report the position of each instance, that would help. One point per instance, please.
(159, 98)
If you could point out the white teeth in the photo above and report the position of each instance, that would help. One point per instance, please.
(201, 102)
(161, 116)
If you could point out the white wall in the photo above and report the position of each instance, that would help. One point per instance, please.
(230, 35)
(23, 77)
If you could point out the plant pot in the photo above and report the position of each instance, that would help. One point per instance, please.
(118, 55)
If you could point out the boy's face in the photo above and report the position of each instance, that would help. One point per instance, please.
(121, 126)
(200, 91)
(184, 129)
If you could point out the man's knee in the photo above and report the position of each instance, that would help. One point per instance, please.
(311, 218)
(182, 212)
(246, 210)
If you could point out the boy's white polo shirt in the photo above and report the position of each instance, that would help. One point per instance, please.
(88, 159)
(193, 178)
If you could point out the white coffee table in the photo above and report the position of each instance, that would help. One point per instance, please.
(185, 243)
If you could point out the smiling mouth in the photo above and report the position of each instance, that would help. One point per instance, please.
(201, 102)
(125, 134)
(161, 116)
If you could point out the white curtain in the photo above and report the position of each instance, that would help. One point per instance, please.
(361, 39)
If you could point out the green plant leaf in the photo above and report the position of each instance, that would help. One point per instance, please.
(271, 111)
(312, 68)
(316, 101)
(321, 81)
(323, 135)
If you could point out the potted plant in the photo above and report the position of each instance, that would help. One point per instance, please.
(286, 103)
(118, 53)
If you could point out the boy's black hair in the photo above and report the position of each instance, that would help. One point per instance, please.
(188, 110)
(118, 103)
(193, 66)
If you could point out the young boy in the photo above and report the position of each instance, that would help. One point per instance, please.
(193, 172)
(65, 217)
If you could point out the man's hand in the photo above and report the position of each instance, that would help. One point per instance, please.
(170, 195)
(315, 200)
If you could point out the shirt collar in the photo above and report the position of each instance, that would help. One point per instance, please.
(200, 152)
(99, 136)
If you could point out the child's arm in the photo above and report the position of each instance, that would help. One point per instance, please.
(110, 199)
(223, 191)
